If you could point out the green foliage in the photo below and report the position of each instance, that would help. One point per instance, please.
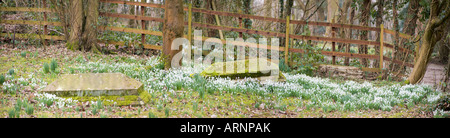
(167, 112)
(23, 54)
(19, 104)
(283, 67)
(29, 109)
(201, 93)
(195, 106)
(11, 72)
(308, 59)
(47, 101)
(71, 70)
(2, 79)
(159, 107)
(99, 104)
(151, 115)
(443, 103)
(103, 116)
(46, 68)
(425, 12)
(94, 110)
(80, 59)
(13, 113)
(53, 65)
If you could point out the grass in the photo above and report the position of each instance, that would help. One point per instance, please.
(175, 93)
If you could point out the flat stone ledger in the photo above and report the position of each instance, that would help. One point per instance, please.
(263, 74)
(94, 84)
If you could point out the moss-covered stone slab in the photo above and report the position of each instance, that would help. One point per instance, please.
(262, 73)
(94, 84)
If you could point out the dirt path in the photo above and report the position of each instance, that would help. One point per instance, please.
(434, 74)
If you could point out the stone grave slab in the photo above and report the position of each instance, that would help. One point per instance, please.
(219, 70)
(94, 84)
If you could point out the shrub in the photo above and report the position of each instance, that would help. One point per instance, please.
(307, 60)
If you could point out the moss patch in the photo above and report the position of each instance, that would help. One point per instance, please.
(111, 100)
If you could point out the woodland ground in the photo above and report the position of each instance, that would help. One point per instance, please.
(26, 76)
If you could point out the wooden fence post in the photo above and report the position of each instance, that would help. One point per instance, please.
(143, 24)
(286, 47)
(381, 46)
(44, 5)
(333, 44)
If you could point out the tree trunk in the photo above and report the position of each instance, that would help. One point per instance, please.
(332, 7)
(349, 36)
(446, 77)
(379, 21)
(430, 37)
(76, 24)
(343, 20)
(320, 17)
(268, 13)
(395, 53)
(411, 18)
(83, 25)
(281, 15)
(424, 54)
(173, 28)
(247, 10)
(131, 22)
(197, 4)
(444, 48)
(364, 21)
(90, 32)
(210, 20)
(444, 51)
(281, 26)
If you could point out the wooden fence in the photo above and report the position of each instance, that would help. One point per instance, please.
(286, 49)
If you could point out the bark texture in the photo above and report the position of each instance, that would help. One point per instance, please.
(173, 28)
(432, 34)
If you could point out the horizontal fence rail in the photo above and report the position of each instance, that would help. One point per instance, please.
(240, 29)
(25, 9)
(31, 22)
